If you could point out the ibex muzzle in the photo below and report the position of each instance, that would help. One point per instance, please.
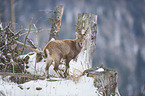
(62, 49)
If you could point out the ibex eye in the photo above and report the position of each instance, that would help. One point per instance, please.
(81, 44)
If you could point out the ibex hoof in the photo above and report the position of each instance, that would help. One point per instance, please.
(66, 75)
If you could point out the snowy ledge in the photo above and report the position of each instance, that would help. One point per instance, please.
(51, 87)
(103, 83)
(97, 81)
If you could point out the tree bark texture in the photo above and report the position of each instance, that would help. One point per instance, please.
(54, 33)
(87, 24)
(105, 81)
(12, 14)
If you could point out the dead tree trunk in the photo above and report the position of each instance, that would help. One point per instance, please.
(87, 23)
(54, 33)
(12, 15)
(105, 79)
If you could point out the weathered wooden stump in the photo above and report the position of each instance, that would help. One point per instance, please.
(105, 80)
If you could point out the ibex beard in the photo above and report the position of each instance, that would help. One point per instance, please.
(62, 49)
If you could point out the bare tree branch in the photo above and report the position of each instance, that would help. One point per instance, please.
(28, 33)
(36, 34)
(31, 42)
(29, 47)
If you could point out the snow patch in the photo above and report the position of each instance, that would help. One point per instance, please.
(1, 26)
(84, 87)
(78, 66)
(83, 31)
(38, 68)
(52, 39)
(100, 70)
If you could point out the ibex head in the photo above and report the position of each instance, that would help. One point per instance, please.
(81, 40)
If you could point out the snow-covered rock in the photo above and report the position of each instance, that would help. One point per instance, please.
(51, 87)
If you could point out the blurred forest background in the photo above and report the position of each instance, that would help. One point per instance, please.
(120, 40)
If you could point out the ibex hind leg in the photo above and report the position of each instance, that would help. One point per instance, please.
(56, 69)
(48, 63)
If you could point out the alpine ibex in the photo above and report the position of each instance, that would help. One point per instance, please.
(62, 49)
(57, 50)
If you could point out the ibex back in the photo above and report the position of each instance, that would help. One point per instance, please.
(62, 49)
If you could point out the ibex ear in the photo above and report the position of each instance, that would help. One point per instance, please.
(83, 36)
(78, 36)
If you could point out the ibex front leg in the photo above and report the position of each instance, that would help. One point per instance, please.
(66, 73)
